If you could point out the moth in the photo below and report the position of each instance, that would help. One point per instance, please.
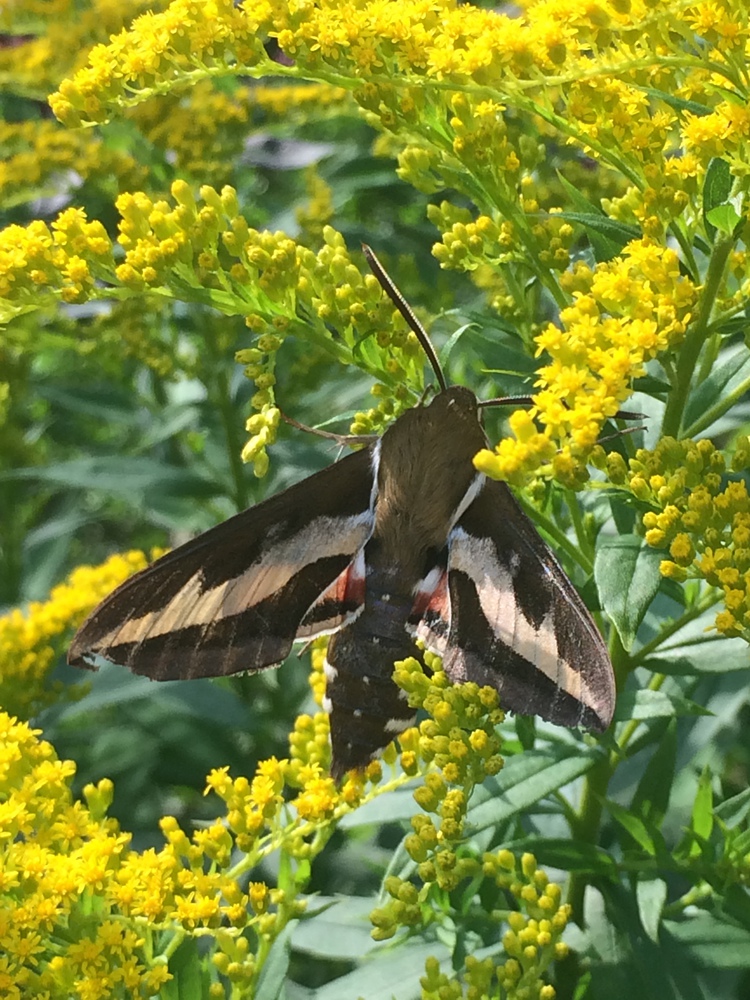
(403, 541)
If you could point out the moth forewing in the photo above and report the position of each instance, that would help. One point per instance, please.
(233, 598)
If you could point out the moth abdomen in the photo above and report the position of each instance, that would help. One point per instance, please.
(367, 708)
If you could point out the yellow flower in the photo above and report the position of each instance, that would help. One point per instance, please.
(637, 306)
(705, 527)
(31, 642)
(317, 800)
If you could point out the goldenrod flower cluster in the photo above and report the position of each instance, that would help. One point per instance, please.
(476, 71)
(67, 877)
(52, 40)
(82, 913)
(317, 671)
(261, 427)
(700, 519)
(208, 252)
(300, 101)
(202, 131)
(317, 213)
(460, 737)
(64, 259)
(133, 329)
(624, 313)
(534, 937)
(265, 276)
(37, 153)
(415, 42)
(415, 65)
(189, 37)
(460, 740)
(31, 641)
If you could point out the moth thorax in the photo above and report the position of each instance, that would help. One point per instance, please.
(425, 470)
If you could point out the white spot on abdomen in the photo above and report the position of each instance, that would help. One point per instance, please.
(399, 725)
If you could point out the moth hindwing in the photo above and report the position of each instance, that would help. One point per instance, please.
(399, 542)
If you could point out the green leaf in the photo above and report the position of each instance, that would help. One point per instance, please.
(524, 780)
(616, 234)
(716, 189)
(702, 819)
(369, 357)
(734, 811)
(47, 549)
(728, 374)
(568, 855)
(736, 905)
(393, 973)
(190, 981)
(340, 930)
(725, 218)
(678, 103)
(712, 943)
(630, 963)
(626, 571)
(604, 248)
(718, 656)
(276, 965)
(578, 199)
(109, 403)
(447, 348)
(634, 826)
(113, 686)
(526, 730)
(651, 799)
(124, 475)
(651, 385)
(646, 704)
(651, 895)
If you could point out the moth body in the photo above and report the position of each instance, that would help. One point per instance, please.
(422, 471)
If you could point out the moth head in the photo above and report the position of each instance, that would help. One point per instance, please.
(459, 402)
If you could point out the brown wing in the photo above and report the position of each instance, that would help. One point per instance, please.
(517, 623)
(233, 598)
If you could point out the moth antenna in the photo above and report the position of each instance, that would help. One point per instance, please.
(621, 433)
(386, 283)
(507, 401)
(330, 435)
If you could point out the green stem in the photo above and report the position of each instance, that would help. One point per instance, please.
(719, 408)
(694, 340)
(655, 684)
(584, 546)
(222, 396)
(708, 600)
(713, 346)
(241, 496)
(587, 823)
(586, 827)
(560, 539)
